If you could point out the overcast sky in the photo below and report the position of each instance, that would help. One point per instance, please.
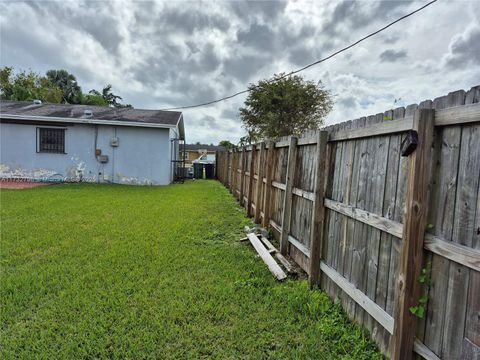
(163, 54)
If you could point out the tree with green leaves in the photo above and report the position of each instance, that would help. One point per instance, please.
(109, 97)
(27, 86)
(56, 87)
(282, 106)
(226, 144)
(93, 99)
(72, 93)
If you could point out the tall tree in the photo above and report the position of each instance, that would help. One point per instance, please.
(283, 106)
(109, 97)
(26, 86)
(226, 144)
(93, 99)
(72, 93)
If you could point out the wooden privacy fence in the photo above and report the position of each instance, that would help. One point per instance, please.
(363, 221)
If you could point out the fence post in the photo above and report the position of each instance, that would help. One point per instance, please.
(318, 213)
(234, 172)
(251, 170)
(230, 170)
(218, 174)
(242, 176)
(287, 200)
(260, 171)
(415, 221)
(268, 184)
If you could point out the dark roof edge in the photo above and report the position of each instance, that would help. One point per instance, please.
(87, 121)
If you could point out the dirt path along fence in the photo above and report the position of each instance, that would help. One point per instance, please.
(388, 231)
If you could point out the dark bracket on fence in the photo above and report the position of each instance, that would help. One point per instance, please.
(409, 144)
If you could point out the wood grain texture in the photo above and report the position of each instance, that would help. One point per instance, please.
(441, 216)
(463, 233)
(318, 213)
(391, 127)
(259, 184)
(392, 149)
(421, 349)
(360, 298)
(268, 184)
(408, 288)
(287, 201)
(462, 255)
(376, 221)
(458, 115)
(243, 165)
(274, 268)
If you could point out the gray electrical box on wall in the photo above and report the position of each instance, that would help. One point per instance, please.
(114, 141)
(103, 159)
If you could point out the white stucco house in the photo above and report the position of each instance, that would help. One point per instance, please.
(62, 142)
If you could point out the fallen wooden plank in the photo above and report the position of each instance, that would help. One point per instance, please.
(286, 264)
(274, 268)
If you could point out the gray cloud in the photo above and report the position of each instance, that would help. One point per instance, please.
(161, 54)
(188, 21)
(244, 67)
(355, 14)
(268, 9)
(465, 49)
(258, 36)
(349, 102)
(391, 55)
(94, 20)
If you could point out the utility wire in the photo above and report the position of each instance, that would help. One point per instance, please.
(309, 65)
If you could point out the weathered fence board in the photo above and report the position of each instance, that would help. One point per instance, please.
(344, 222)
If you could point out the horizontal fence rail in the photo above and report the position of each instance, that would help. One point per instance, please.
(365, 222)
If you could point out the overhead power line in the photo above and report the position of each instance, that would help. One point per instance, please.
(311, 64)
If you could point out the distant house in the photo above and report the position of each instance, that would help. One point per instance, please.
(200, 152)
(50, 142)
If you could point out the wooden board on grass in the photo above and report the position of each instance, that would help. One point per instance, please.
(274, 268)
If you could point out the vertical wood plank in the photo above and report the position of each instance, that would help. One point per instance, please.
(243, 164)
(443, 199)
(408, 287)
(260, 173)
(251, 170)
(231, 170)
(361, 230)
(234, 173)
(268, 184)
(353, 225)
(463, 234)
(375, 205)
(287, 200)
(472, 325)
(318, 213)
(388, 210)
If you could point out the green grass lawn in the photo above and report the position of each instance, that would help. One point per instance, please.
(98, 271)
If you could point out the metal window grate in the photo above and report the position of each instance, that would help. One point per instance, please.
(51, 140)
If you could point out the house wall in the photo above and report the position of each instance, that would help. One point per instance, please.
(194, 155)
(142, 157)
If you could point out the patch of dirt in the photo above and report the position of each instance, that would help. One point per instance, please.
(10, 184)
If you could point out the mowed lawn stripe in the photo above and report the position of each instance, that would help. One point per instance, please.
(107, 271)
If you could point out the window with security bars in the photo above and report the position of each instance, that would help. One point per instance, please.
(51, 140)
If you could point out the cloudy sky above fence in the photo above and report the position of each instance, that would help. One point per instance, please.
(163, 54)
